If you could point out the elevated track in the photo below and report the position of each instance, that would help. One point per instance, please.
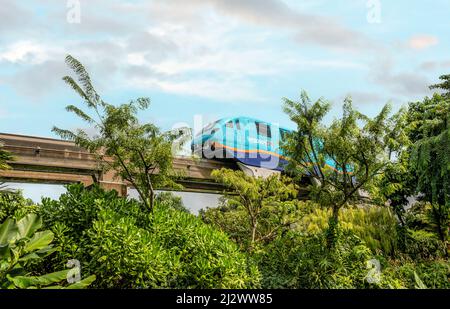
(47, 160)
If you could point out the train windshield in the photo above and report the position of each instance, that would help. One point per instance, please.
(208, 127)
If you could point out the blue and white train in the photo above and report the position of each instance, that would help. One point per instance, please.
(253, 143)
(249, 141)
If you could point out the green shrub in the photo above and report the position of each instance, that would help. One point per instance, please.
(434, 274)
(423, 245)
(14, 205)
(170, 200)
(209, 259)
(126, 256)
(127, 247)
(299, 261)
(21, 245)
(376, 226)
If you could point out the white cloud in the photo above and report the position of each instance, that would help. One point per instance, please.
(419, 42)
(27, 52)
(228, 90)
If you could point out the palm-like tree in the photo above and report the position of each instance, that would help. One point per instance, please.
(4, 157)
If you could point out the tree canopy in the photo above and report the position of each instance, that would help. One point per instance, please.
(138, 153)
(356, 145)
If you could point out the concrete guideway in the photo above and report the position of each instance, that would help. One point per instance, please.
(47, 160)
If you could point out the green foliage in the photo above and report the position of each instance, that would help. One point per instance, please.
(296, 261)
(4, 157)
(268, 204)
(127, 247)
(432, 274)
(444, 85)
(14, 205)
(21, 244)
(355, 144)
(430, 158)
(170, 200)
(396, 184)
(424, 245)
(376, 226)
(209, 259)
(138, 153)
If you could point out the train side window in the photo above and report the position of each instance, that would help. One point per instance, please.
(238, 124)
(263, 129)
(229, 124)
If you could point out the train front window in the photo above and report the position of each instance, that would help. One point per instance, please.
(263, 129)
(229, 124)
(207, 128)
(238, 125)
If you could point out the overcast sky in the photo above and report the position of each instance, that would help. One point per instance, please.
(217, 58)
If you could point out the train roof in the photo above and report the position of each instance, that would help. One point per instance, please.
(249, 119)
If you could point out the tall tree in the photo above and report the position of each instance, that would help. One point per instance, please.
(444, 85)
(268, 202)
(4, 157)
(430, 157)
(395, 185)
(138, 153)
(342, 158)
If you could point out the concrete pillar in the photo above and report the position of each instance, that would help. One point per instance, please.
(121, 188)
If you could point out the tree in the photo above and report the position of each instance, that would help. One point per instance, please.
(396, 184)
(267, 202)
(341, 158)
(138, 153)
(4, 157)
(430, 157)
(445, 85)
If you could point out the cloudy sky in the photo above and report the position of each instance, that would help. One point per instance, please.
(216, 58)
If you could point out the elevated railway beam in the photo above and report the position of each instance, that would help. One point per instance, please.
(47, 160)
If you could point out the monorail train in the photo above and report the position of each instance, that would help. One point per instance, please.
(251, 142)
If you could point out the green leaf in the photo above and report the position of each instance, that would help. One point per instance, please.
(419, 284)
(40, 240)
(7, 231)
(24, 282)
(83, 283)
(28, 225)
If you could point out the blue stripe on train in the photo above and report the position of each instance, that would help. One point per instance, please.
(267, 161)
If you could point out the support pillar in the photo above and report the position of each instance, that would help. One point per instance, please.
(121, 188)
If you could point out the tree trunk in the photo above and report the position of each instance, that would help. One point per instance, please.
(253, 232)
(254, 223)
(333, 223)
(152, 199)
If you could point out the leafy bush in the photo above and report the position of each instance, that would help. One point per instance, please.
(209, 259)
(127, 247)
(298, 261)
(273, 220)
(376, 226)
(14, 205)
(170, 200)
(21, 244)
(423, 245)
(434, 274)
(126, 256)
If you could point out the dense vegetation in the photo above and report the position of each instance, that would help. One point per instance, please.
(356, 230)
